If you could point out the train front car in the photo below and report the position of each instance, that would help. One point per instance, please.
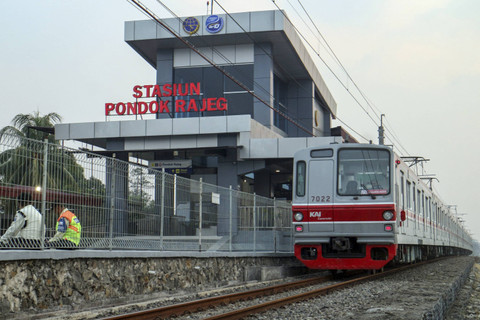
(343, 207)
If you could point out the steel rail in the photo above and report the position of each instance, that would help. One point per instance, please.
(203, 304)
(241, 313)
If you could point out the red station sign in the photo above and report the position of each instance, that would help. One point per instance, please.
(168, 90)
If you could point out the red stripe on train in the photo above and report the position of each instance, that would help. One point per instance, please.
(325, 213)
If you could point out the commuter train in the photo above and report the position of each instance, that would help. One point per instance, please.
(360, 206)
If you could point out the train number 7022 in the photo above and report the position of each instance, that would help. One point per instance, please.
(320, 198)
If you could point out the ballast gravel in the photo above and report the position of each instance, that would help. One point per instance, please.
(425, 292)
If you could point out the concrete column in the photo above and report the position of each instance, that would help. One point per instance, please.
(120, 192)
(263, 84)
(165, 74)
(226, 177)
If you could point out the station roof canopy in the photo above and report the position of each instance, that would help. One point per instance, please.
(288, 50)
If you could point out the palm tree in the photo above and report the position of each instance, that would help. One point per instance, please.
(23, 123)
(21, 163)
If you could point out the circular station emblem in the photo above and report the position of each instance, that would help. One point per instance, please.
(214, 24)
(191, 25)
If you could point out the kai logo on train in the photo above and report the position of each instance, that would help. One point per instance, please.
(168, 98)
(315, 214)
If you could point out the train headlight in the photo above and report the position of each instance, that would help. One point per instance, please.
(388, 215)
(298, 216)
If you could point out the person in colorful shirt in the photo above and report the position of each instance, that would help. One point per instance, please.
(27, 229)
(68, 228)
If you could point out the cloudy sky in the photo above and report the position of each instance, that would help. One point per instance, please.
(416, 61)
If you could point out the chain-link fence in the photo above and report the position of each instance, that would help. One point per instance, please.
(122, 205)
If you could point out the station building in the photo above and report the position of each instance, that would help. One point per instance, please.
(233, 119)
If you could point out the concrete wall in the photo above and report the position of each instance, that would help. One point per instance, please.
(47, 284)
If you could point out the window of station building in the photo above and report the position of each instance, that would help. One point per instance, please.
(188, 75)
(211, 86)
(280, 92)
(214, 84)
(240, 101)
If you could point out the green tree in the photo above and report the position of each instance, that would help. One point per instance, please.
(139, 197)
(22, 126)
(22, 163)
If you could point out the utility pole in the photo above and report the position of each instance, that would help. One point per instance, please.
(381, 136)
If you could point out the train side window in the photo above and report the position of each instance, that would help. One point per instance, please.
(402, 188)
(321, 153)
(429, 206)
(414, 202)
(301, 174)
(409, 198)
(419, 203)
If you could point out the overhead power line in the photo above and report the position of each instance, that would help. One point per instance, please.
(149, 13)
(324, 62)
(228, 61)
(371, 105)
(247, 33)
(392, 136)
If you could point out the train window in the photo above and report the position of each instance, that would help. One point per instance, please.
(301, 172)
(420, 202)
(402, 188)
(409, 195)
(363, 172)
(414, 200)
(321, 153)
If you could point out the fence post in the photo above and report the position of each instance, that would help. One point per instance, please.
(112, 200)
(254, 222)
(175, 195)
(44, 191)
(162, 209)
(231, 218)
(274, 231)
(200, 216)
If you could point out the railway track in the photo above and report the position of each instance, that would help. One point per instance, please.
(213, 302)
(206, 303)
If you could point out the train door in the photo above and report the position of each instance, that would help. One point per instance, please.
(320, 195)
(402, 207)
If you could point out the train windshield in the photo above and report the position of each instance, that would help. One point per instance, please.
(363, 172)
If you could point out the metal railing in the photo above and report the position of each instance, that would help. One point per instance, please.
(122, 205)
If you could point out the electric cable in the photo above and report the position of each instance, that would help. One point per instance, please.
(191, 46)
(371, 105)
(285, 72)
(324, 62)
(247, 33)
